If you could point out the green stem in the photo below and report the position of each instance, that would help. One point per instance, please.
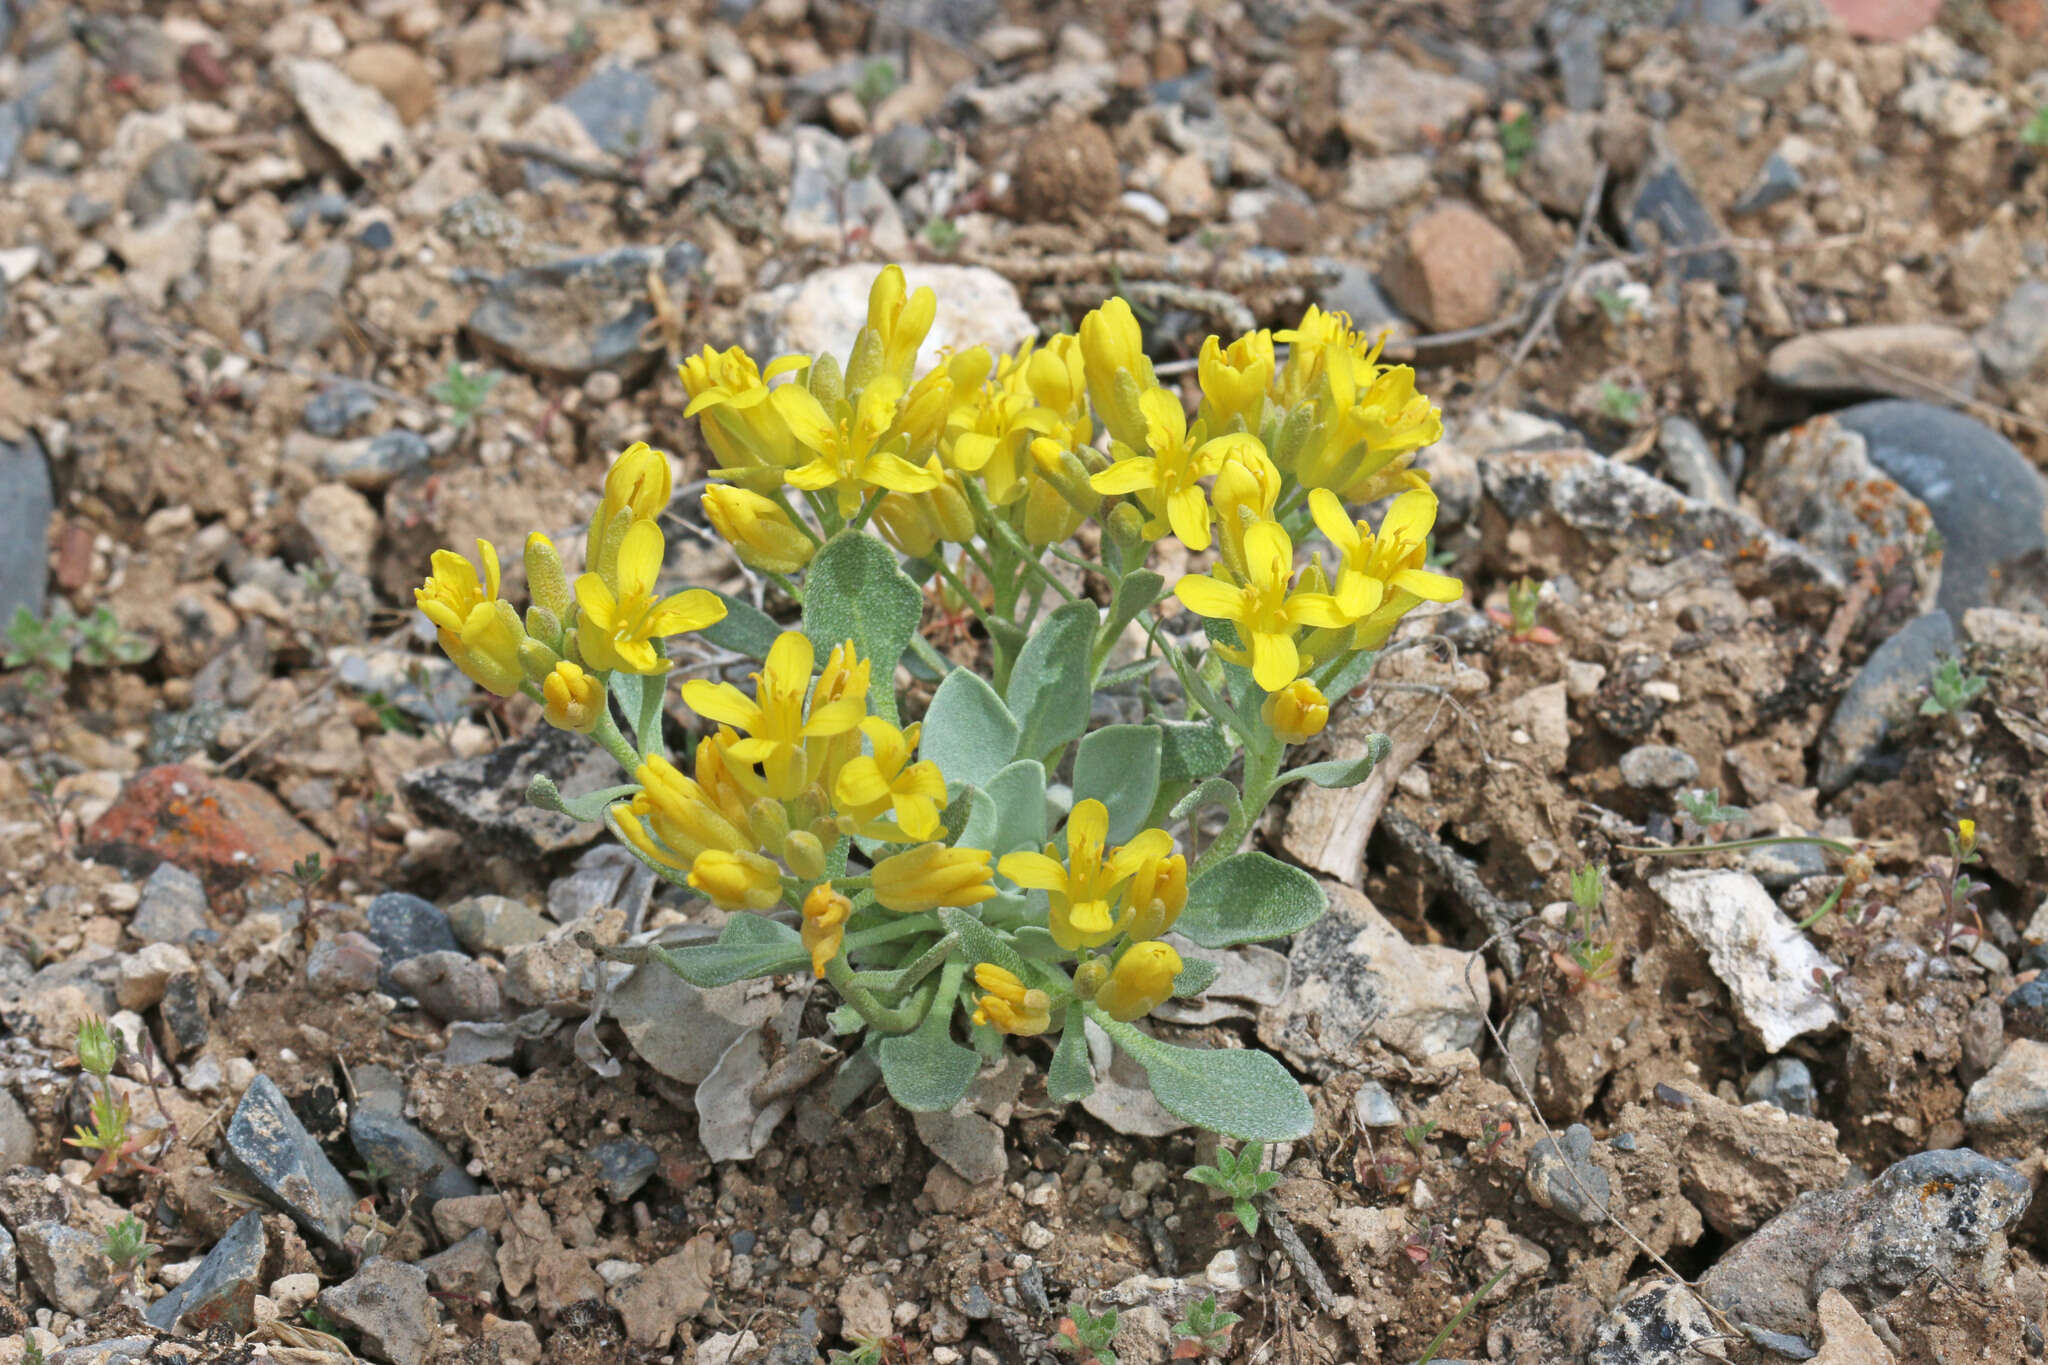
(1732, 845)
(607, 734)
(1261, 766)
(954, 582)
(1007, 534)
(883, 1019)
(885, 933)
(867, 509)
(906, 977)
(781, 499)
(1834, 898)
(783, 582)
(925, 650)
(1193, 685)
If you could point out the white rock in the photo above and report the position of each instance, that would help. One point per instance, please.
(827, 310)
(355, 120)
(1765, 962)
(1227, 1273)
(145, 972)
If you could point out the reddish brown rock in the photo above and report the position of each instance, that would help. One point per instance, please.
(1455, 269)
(1890, 19)
(224, 830)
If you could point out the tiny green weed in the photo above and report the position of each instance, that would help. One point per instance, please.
(944, 235)
(1703, 807)
(2035, 133)
(1087, 1335)
(1203, 1330)
(1239, 1177)
(1951, 689)
(464, 393)
(127, 1243)
(1621, 404)
(1517, 140)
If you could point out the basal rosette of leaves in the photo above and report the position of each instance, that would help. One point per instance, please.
(994, 870)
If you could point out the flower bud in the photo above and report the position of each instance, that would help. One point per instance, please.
(768, 822)
(546, 580)
(536, 659)
(932, 875)
(824, 929)
(760, 532)
(1127, 532)
(1141, 981)
(572, 699)
(1089, 976)
(1009, 1005)
(736, 881)
(805, 854)
(1297, 712)
(97, 1050)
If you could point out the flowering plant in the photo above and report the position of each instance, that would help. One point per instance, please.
(997, 867)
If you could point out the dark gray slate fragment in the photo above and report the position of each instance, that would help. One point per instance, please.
(623, 1166)
(568, 319)
(484, 798)
(613, 104)
(1665, 210)
(332, 411)
(268, 1146)
(404, 926)
(2026, 1011)
(223, 1289)
(1562, 1177)
(25, 507)
(1887, 691)
(406, 1155)
(388, 1303)
(469, 1268)
(1776, 181)
(1988, 501)
(67, 1265)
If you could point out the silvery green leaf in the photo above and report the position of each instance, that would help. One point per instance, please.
(1118, 765)
(1239, 1092)
(979, 943)
(1342, 772)
(1139, 589)
(968, 731)
(1190, 750)
(1197, 974)
(1049, 692)
(925, 1070)
(1247, 898)
(1017, 794)
(853, 590)
(1215, 791)
(749, 946)
(746, 629)
(640, 696)
(588, 808)
(1347, 672)
(1070, 1077)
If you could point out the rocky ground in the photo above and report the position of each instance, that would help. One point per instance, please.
(1740, 322)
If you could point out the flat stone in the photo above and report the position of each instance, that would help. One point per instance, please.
(355, 120)
(1817, 484)
(1769, 75)
(2025, 1011)
(222, 1291)
(1374, 184)
(407, 1155)
(1988, 501)
(832, 201)
(1883, 19)
(17, 1134)
(1392, 105)
(268, 1146)
(1565, 162)
(1577, 40)
(1663, 209)
(1912, 360)
(1561, 1177)
(224, 830)
(623, 1167)
(333, 410)
(173, 907)
(2009, 1103)
(1775, 181)
(1753, 948)
(1887, 692)
(26, 503)
(347, 963)
(620, 107)
(396, 72)
(67, 1265)
(405, 926)
(467, 1269)
(388, 1303)
(2015, 342)
(1454, 269)
(469, 1043)
(1846, 1339)
(1655, 1322)
(965, 1141)
(449, 986)
(824, 312)
(1782, 866)
(1658, 767)
(496, 924)
(1374, 1107)
(1691, 464)
(606, 877)
(661, 1298)
(568, 319)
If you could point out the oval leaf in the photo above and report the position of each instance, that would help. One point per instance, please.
(1239, 1092)
(1342, 772)
(1017, 794)
(1049, 693)
(925, 1070)
(1190, 750)
(854, 591)
(1118, 765)
(1248, 898)
(749, 946)
(968, 731)
(1070, 1077)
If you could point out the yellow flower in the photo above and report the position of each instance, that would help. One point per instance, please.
(916, 523)
(1383, 576)
(1010, 1005)
(1158, 890)
(620, 619)
(1113, 358)
(848, 457)
(825, 914)
(736, 881)
(843, 678)
(1379, 421)
(773, 719)
(478, 629)
(743, 429)
(901, 319)
(636, 488)
(1246, 490)
(1080, 891)
(760, 532)
(1057, 374)
(1265, 610)
(1141, 982)
(1966, 838)
(1309, 346)
(673, 819)
(1234, 381)
(887, 781)
(988, 434)
(1166, 479)
(572, 699)
(1297, 712)
(932, 875)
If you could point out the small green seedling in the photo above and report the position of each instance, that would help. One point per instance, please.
(2035, 134)
(1416, 1135)
(1517, 140)
(127, 1244)
(944, 235)
(1621, 404)
(111, 1114)
(1703, 807)
(1950, 689)
(1589, 888)
(53, 646)
(1524, 597)
(1087, 1335)
(1204, 1330)
(877, 81)
(867, 1351)
(1239, 1177)
(463, 392)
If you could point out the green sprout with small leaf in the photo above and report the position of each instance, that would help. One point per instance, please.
(53, 646)
(1702, 806)
(127, 1244)
(1087, 1335)
(1239, 1177)
(877, 81)
(112, 1116)
(1203, 1330)
(1619, 403)
(944, 235)
(463, 392)
(1517, 140)
(1524, 597)
(1951, 689)
(2035, 133)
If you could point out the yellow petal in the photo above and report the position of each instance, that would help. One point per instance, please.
(690, 609)
(898, 475)
(1034, 871)
(721, 703)
(1205, 596)
(1359, 594)
(1088, 826)
(1188, 513)
(1332, 520)
(1275, 660)
(805, 417)
(1411, 517)
(640, 556)
(596, 601)
(1127, 476)
(1431, 587)
(861, 784)
(1269, 555)
(790, 660)
(489, 554)
(1318, 609)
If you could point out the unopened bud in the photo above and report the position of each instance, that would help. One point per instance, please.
(805, 854)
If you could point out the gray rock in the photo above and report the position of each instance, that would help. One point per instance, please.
(1775, 181)
(606, 877)
(333, 410)
(623, 1166)
(222, 1291)
(388, 1303)
(344, 964)
(378, 1087)
(172, 909)
(2014, 343)
(1782, 866)
(1354, 291)
(1565, 162)
(368, 464)
(1909, 360)
(1768, 76)
(568, 319)
(26, 503)
(1658, 767)
(1934, 1214)
(408, 1156)
(1577, 40)
(968, 1143)
(1987, 500)
(1561, 1177)
(1374, 1107)
(906, 152)
(1785, 1082)
(1887, 692)
(449, 985)
(827, 199)
(67, 1265)
(1664, 209)
(1690, 462)
(17, 117)
(174, 173)
(467, 1269)
(1798, 484)
(619, 106)
(17, 1134)
(404, 926)
(268, 1146)
(183, 1011)
(1755, 950)
(496, 924)
(306, 298)
(2025, 1010)
(10, 1265)
(353, 119)
(2009, 1103)
(472, 1043)
(1659, 1322)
